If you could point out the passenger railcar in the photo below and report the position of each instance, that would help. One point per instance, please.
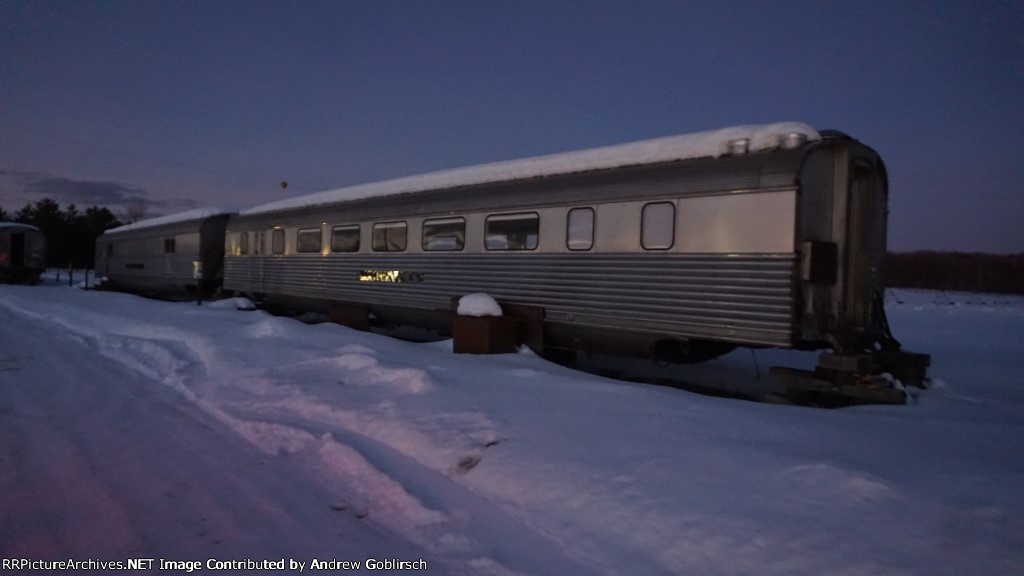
(678, 248)
(173, 256)
(22, 253)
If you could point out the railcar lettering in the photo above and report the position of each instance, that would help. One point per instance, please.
(390, 276)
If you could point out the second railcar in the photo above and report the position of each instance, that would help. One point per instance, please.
(678, 248)
(175, 256)
(22, 253)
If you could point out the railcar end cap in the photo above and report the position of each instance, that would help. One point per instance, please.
(834, 134)
(739, 146)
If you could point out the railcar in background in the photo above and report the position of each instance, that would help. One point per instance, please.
(22, 253)
(175, 256)
(679, 248)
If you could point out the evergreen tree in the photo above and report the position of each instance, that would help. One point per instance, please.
(24, 215)
(70, 235)
(99, 220)
(89, 227)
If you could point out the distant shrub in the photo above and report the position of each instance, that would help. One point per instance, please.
(961, 271)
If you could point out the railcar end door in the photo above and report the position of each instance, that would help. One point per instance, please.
(866, 231)
(17, 250)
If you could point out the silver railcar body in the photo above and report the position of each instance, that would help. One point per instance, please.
(782, 248)
(22, 252)
(172, 259)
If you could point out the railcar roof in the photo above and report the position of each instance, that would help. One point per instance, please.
(17, 225)
(687, 146)
(196, 214)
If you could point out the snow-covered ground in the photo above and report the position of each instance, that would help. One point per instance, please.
(132, 428)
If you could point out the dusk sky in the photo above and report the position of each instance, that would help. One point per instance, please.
(214, 103)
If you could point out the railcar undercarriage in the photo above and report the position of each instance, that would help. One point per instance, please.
(849, 375)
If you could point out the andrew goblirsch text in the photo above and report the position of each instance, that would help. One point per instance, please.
(370, 564)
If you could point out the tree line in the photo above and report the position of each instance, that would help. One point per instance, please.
(959, 271)
(70, 234)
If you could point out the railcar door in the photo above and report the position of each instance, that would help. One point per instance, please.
(108, 254)
(168, 259)
(17, 250)
(261, 248)
(865, 250)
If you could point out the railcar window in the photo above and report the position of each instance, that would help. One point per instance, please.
(243, 243)
(260, 243)
(579, 233)
(444, 234)
(512, 231)
(658, 226)
(389, 236)
(277, 241)
(168, 245)
(309, 240)
(345, 238)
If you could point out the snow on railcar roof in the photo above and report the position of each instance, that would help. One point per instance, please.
(196, 214)
(17, 225)
(712, 143)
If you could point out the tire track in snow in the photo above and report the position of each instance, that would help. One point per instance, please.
(364, 489)
(403, 474)
(98, 462)
(427, 506)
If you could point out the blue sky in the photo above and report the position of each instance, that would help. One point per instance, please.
(216, 102)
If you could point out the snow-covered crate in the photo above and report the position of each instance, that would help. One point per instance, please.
(483, 334)
(478, 326)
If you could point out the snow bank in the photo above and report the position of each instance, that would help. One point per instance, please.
(236, 303)
(479, 304)
(252, 435)
(196, 214)
(698, 145)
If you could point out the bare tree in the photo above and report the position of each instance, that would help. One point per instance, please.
(134, 210)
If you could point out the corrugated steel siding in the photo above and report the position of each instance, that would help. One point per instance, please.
(195, 240)
(154, 271)
(747, 299)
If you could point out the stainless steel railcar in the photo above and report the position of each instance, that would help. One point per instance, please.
(174, 256)
(646, 249)
(22, 253)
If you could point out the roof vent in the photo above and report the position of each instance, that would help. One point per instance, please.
(739, 146)
(793, 140)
